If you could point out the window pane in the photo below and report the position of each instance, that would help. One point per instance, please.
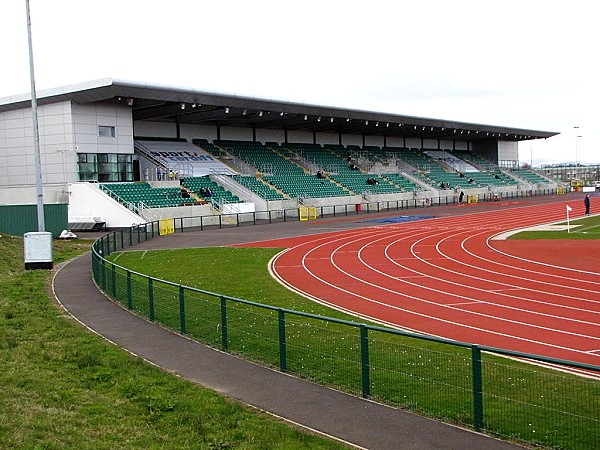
(106, 131)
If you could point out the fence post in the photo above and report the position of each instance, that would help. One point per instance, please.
(103, 272)
(181, 309)
(224, 339)
(477, 388)
(150, 300)
(129, 293)
(113, 274)
(364, 360)
(106, 246)
(282, 344)
(122, 240)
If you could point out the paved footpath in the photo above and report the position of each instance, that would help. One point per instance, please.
(356, 421)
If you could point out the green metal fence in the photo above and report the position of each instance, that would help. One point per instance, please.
(489, 389)
(20, 219)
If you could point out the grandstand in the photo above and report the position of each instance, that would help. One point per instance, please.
(271, 154)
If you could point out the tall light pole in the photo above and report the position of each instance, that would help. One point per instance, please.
(36, 136)
(577, 155)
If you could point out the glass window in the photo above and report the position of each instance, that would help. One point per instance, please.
(104, 167)
(106, 131)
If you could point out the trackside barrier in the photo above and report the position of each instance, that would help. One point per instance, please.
(472, 198)
(458, 382)
(313, 213)
(166, 226)
(307, 213)
(303, 213)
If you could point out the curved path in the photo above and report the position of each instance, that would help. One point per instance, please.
(449, 277)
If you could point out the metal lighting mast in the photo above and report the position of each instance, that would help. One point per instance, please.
(36, 136)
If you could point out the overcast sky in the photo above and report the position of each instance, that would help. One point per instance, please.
(527, 64)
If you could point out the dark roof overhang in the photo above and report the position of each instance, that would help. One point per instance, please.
(189, 106)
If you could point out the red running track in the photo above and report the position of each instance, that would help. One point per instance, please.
(450, 278)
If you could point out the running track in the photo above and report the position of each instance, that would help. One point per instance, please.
(448, 277)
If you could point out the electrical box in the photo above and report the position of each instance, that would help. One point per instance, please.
(38, 250)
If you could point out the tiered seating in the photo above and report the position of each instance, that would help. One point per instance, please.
(499, 178)
(404, 184)
(530, 176)
(430, 172)
(316, 154)
(302, 185)
(258, 187)
(137, 193)
(284, 174)
(209, 147)
(288, 170)
(219, 194)
(357, 182)
(334, 160)
(258, 155)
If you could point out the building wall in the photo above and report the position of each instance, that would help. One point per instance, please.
(508, 151)
(395, 141)
(191, 132)
(413, 143)
(157, 129)
(374, 141)
(266, 135)
(352, 139)
(235, 133)
(300, 137)
(57, 154)
(430, 144)
(86, 122)
(446, 145)
(65, 129)
(461, 145)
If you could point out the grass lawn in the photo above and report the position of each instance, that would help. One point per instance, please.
(584, 228)
(64, 388)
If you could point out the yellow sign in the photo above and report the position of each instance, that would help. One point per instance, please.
(472, 198)
(166, 226)
(308, 213)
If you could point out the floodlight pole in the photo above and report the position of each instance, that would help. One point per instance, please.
(36, 136)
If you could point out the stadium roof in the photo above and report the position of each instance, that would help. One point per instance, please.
(188, 106)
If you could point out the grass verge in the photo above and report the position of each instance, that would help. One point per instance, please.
(584, 228)
(62, 387)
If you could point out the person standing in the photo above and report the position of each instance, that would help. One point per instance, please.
(586, 202)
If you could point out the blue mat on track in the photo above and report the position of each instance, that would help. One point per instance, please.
(400, 219)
